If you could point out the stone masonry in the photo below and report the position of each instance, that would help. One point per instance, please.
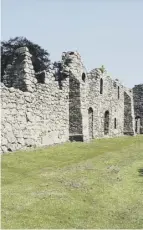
(63, 103)
(138, 107)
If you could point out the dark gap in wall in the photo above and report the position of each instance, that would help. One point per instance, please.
(90, 122)
(101, 86)
(128, 122)
(106, 123)
(40, 77)
(75, 116)
(83, 77)
(9, 149)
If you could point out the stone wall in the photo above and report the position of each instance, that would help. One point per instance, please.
(21, 74)
(34, 119)
(106, 98)
(60, 104)
(138, 107)
(35, 114)
(78, 117)
(129, 118)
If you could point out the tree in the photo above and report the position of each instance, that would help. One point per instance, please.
(40, 57)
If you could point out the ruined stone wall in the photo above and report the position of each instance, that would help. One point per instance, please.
(106, 96)
(60, 104)
(78, 86)
(34, 119)
(138, 107)
(36, 114)
(21, 74)
(129, 117)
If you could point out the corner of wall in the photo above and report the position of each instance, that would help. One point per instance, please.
(20, 74)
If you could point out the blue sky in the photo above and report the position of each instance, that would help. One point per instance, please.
(108, 32)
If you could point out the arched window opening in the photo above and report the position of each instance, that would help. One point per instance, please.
(90, 120)
(115, 123)
(137, 125)
(83, 77)
(101, 86)
(118, 92)
(106, 122)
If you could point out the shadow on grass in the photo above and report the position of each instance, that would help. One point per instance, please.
(140, 172)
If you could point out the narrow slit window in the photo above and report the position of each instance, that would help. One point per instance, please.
(83, 77)
(118, 92)
(106, 123)
(101, 86)
(115, 123)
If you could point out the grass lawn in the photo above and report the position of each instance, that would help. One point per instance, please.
(75, 185)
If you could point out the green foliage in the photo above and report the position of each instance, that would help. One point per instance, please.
(102, 69)
(40, 57)
(94, 185)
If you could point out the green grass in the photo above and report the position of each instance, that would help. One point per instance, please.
(75, 185)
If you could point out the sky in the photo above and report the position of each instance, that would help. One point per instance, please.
(104, 32)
